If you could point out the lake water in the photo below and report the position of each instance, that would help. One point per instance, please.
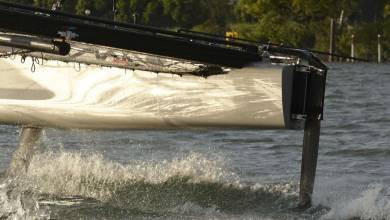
(235, 174)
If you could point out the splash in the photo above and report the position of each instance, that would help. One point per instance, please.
(91, 175)
(182, 186)
(190, 208)
(16, 203)
(372, 204)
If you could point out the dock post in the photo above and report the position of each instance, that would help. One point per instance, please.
(114, 10)
(309, 161)
(352, 47)
(379, 49)
(135, 18)
(21, 158)
(332, 42)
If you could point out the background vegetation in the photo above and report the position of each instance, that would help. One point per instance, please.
(299, 23)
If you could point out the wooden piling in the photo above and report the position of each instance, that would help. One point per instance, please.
(352, 47)
(332, 42)
(379, 49)
(114, 11)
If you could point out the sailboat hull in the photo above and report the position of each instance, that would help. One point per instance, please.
(69, 95)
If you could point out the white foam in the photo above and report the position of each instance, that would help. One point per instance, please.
(373, 203)
(17, 204)
(90, 175)
(190, 208)
(286, 189)
(157, 186)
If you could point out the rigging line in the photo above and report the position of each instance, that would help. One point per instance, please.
(33, 65)
(36, 60)
(12, 56)
(271, 44)
(13, 53)
(77, 68)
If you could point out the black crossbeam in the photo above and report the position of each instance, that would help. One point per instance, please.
(46, 23)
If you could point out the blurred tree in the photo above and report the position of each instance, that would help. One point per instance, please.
(219, 16)
(25, 2)
(147, 12)
(43, 3)
(123, 13)
(301, 23)
(69, 5)
(82, 5)
(186, 13)
(98, 8)
(154, 15)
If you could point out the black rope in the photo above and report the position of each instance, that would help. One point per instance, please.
(23, 59)
(77, 69)
(33, 64)
(13, 53)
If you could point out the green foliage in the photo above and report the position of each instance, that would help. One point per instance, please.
(386, 11)
(24, 2)
(305, 23)
(292, 21)
(218, 16)
(98, 8)
(186, 13)
(69, 5)
(147, 12)
(123, 13)
(274, 28)
(154, 14)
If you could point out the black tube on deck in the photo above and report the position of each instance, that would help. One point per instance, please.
(35, 44)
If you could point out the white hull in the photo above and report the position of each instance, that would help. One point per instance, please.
(58, 95)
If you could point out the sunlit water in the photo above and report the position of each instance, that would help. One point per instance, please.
(235, 174)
